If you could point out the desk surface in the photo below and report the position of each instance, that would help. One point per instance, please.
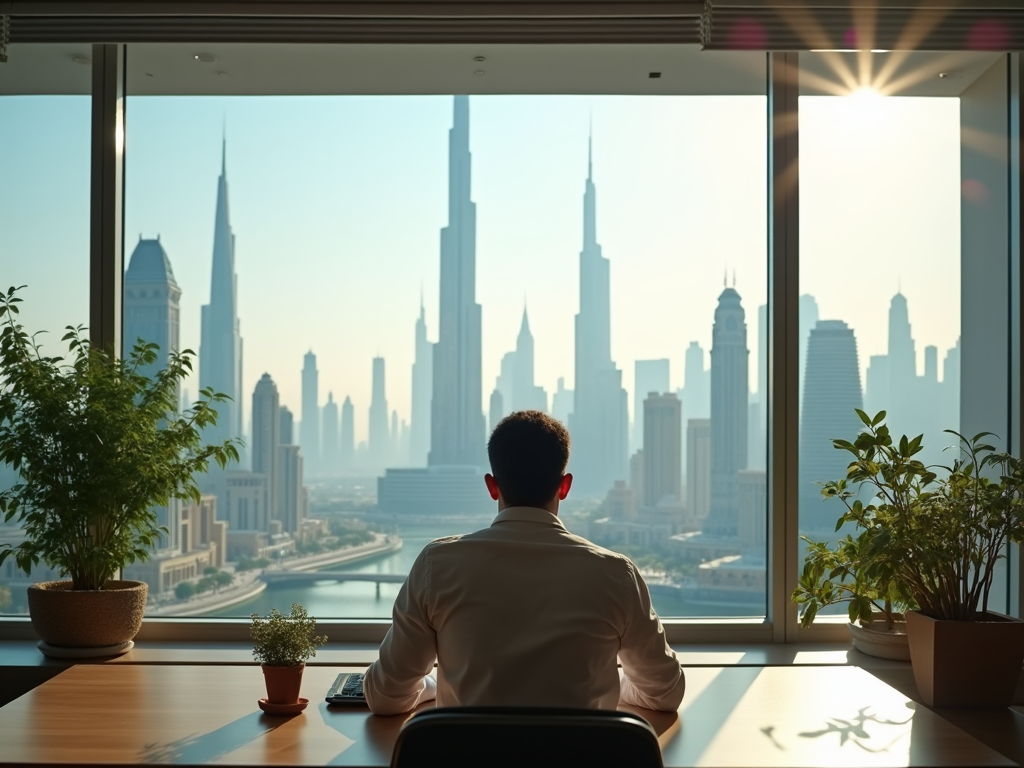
(732, 716)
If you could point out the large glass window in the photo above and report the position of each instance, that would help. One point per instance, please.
(325, 254)
(44, 219)
(903, 235)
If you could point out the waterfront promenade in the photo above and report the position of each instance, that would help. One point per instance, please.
(250, 583)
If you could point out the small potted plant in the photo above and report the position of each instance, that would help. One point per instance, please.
(849, 572)
(939, 538)
(282, 644)
(98, 446)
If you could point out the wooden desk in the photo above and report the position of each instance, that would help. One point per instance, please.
(731, 716)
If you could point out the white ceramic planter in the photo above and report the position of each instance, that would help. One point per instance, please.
(875, 639)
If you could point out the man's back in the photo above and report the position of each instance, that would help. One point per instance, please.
(525, 613)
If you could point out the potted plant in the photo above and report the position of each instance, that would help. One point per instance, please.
(939, 538)
(848, 572)
(97, 446)
(282, 644)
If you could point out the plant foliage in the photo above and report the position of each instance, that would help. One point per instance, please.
(97, 445)
(284, 641)
(923, 539)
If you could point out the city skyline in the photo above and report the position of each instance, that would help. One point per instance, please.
(934, 312)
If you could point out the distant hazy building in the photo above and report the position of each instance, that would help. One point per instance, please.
(220, 348)
(243, 502)
(663, 445)
(752, 510)
(496, 410)
(515, 381)
(832, 392)
(309, 428)
(291, 497)
(422, 386)
(379, 440)
(287, 428)
(152, 314)
(329, 441)
(562, 402)
(346, 449)
(729, 398)
(808, 310)
(266, 435)
(457, 418)
(648, 376)
(697, 384)
(600, 421)
(698, 470)
(433, 491)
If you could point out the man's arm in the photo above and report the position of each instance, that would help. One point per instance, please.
(652, 677)
(398, 681)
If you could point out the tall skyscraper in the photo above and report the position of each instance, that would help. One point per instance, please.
(290, 504)
(309, 427)
(808, 310)
(902, 355)
(599, 424)
(380, 435)
(515, 382)
(730, 390)
(663, 446)
(330, 456)
(422, 385)
(287, 426)
(496, 411)
(457, 417)
(348, 434)
(151, 313)
(697, 384)
(220, 348)
(832, 393)
(648, 376)
(266, 437)
(698, 470)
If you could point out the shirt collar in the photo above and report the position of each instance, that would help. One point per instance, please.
(528, 515)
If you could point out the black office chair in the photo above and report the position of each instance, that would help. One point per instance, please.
(525, 737)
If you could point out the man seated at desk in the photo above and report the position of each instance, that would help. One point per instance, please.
(524, 613)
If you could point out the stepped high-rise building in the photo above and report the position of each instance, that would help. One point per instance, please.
(309, 427)
(697, 384)
(330, 456)
(515, 383)
(151, 313)
(663, 448)
(266, 437)
(730, 388)
(648, 376)
(562, 402)
(379, 442)
(599, 424)
(287, 428)
(422, 385)
(347, 448)
(457, 434)
(808, 309)
(832, 392)
(220, 348)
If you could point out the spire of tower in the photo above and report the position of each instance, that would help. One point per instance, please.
(224, 148)
(590, 149)
(524, 327)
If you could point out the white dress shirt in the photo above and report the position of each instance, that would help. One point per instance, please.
(523, 613)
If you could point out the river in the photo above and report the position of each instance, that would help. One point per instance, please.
(360, 600)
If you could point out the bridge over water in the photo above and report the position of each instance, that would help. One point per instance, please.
(311, 577)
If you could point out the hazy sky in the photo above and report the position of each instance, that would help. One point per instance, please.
(337, 203)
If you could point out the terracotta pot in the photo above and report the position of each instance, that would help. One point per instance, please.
(966, 663)
(283, 683)
(875, 639)
(87, 618)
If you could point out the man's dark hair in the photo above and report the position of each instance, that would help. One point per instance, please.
(528, 451)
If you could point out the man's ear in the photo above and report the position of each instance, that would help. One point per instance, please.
(492, 486)
(564, 486)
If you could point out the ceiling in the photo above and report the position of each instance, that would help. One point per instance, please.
(331, 69)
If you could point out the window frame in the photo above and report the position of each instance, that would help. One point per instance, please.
(780, 624)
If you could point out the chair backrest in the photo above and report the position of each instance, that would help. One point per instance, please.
(525, 736)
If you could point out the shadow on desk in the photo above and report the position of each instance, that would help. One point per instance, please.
(201, 748)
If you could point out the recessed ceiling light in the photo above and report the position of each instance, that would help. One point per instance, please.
(479, 59)
(479, 73)
(206, 58)
(951, 75)
(654, 75)
(79, 58)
